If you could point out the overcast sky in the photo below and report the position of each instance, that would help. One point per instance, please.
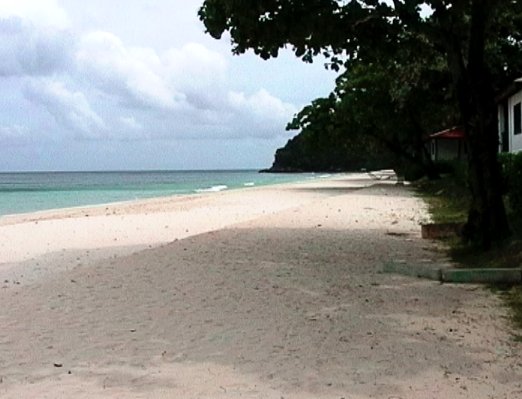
(136, 84)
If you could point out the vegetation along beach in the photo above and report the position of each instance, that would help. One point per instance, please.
(317, 199)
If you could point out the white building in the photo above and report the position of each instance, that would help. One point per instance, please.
(450, 144)
(510, 118)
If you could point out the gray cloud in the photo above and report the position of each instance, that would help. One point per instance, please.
(70, 109)
(133, 74)
(13, 135)
(29, 50)
(95, 86)
(180, 93)
(93, 77)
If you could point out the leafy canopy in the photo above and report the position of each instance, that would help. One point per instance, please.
(478, 41)
(345, 30)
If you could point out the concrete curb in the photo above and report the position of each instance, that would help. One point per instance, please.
(422, 271)
(488, 276)
(447, 274)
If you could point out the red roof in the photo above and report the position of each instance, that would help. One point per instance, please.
(455, 133)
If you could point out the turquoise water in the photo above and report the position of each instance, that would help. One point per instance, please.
(34, 191)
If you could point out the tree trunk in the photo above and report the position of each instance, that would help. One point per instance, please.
(487, 221)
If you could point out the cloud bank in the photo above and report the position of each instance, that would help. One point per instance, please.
(93, 85)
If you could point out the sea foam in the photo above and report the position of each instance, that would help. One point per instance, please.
(212, 189)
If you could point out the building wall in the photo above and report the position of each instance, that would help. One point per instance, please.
(503, 127)
(515, 139)
(446, 150)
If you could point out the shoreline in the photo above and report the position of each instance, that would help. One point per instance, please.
(195, 192)
(129, 226)
(264, 293)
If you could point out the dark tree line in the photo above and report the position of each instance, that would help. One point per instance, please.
(326, 144)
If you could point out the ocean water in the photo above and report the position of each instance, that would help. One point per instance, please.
(34, 191)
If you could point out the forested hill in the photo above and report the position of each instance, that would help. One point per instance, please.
(319, 153)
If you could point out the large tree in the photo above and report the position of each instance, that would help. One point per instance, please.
(476, 38)
(397, 101)
(379, 111)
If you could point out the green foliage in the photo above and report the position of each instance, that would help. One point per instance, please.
(326, 144)
(370, 30)
(512, 171)
(310, 152)
(377, 116)
(392, 102)
(447, 198)
(310, 27)
(448, 201)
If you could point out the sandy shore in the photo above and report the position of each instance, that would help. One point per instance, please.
(273, 292)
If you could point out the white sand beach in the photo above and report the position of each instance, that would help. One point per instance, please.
(271, 292)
